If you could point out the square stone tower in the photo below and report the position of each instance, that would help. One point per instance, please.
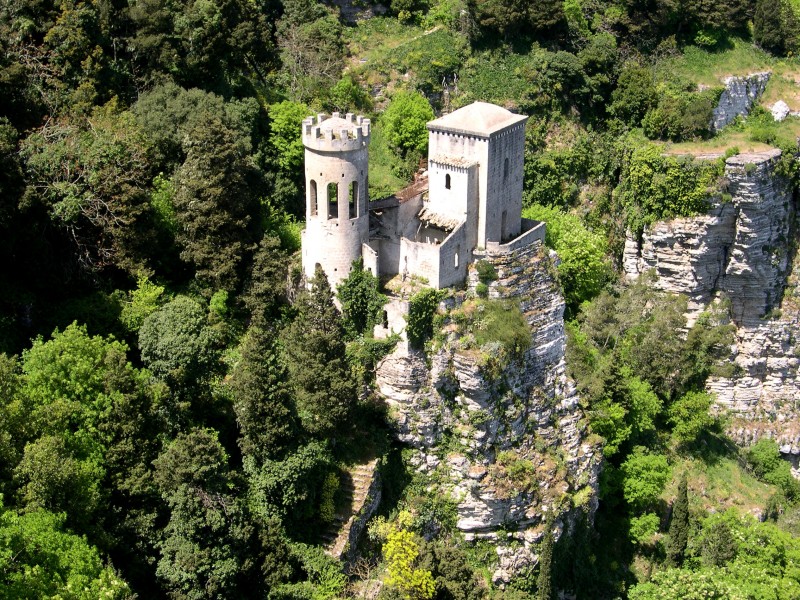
(494, 139)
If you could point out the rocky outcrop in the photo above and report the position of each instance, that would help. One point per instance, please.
(505, 438)
(738, 98)
(740, 251)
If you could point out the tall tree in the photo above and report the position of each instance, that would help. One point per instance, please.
(263, 405)
(318, 369)
(679, 526)
(544, 582)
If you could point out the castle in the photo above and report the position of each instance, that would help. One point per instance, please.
(470, 203)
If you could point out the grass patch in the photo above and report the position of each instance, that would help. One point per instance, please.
(494, 325)
(750, 135)
(494, 76)
(719, 485)
(708, 68)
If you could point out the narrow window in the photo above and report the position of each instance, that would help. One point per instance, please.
(503, 225)
(312, 198)
(353, 201)
(333, 200)
(455, 261)
(447, 181)
(385, 320)
(505, 169)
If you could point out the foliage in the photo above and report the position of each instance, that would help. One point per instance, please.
(404, 122)
(419, 321)
(680, 116)
(495, 326)
(584, 269)
(544, 582)
(635, 95)
(214, 205)
(39, 558)
(284, 139)
(362, 303)
(178, 345)
(655, 187)
(401, 552)
(644, 477)
(767, 464)
(318, 370)
(140, 303)
(643, 528)
(689, 416)
(261, 399)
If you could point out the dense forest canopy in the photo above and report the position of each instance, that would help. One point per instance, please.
(178, 412)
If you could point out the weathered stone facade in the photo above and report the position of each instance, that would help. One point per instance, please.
(741, 251)
(460, 414)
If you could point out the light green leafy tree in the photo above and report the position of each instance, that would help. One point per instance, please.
(404, 122)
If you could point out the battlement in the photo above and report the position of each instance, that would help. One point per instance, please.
(336, 133)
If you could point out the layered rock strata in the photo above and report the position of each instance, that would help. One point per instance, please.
(505, 439)
(741, 251)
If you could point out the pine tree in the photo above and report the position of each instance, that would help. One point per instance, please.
(544, 583)
(679, 526)
(318, 369)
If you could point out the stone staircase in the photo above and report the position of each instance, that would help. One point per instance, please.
(356, 486)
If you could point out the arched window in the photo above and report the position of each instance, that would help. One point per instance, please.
(312, 198)
(447, 181)
(455, 261)
(505, 169)
(333, 200)
(353, 200)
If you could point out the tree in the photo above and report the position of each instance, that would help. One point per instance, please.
(644, 477)
(689, 416)
(401, 552)
(212, 544)
(405, 121)
(179, 346)
(318, 369)
(263, 405)
(214, 205)
(39, 558)
(583, 269)
(679, 526)
(285, 140)
(361, 300)
(544, 582)
(92, 175)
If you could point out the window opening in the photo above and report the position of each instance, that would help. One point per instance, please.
(447, 181)
(312, 195)
(333, 201)
(505, 169)
(353, 201)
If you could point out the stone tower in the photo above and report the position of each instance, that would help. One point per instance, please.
(337, 219)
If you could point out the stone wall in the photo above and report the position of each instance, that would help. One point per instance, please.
(458, 413)
(741, 251)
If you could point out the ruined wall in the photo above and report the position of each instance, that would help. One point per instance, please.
(458, 411)
(741, 251)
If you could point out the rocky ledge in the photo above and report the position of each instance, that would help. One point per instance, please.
(741, 251)
(505, 439)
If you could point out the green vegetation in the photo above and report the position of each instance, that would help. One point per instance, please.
(178, 413)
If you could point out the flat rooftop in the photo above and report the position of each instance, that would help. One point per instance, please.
(479, 118)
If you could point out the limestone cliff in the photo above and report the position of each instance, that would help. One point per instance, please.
(505, 438)
(741, 250)
(738, 97)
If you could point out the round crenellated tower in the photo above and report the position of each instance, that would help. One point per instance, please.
(337, 219)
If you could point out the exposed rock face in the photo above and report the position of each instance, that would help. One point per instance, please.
(738, 98)
(740, 250)
(780, 110)
(480, 424)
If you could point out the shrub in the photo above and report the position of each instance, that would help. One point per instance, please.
(486, 272)
(419, 322)
(404, 122)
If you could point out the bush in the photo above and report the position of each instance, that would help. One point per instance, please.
(486, 272)
(679, 117)
(419, 322)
